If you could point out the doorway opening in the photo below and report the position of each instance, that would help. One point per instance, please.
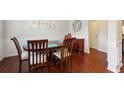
(93, 34)
(98, 35)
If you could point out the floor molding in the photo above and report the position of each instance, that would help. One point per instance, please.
(1, 59)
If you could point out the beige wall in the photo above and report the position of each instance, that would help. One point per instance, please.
(102, 35)
(114, 46)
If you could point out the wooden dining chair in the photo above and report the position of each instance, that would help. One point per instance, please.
(65, 55)
(37, 54)
(22, 56)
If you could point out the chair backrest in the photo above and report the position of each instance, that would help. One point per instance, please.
(69, 43)
(67, 48)
(37, 51)
(18, 47)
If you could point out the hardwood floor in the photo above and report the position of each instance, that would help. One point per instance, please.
(95, 62)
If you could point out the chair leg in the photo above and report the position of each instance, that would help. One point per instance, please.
(46, 69)
(20, 67)
(61, 67)
(71, 65)
(29, 69)
(19, 70)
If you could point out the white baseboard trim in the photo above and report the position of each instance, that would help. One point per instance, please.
(101, 50)
(114, 70)
(11, 54)
(86, 51)
(1, 58)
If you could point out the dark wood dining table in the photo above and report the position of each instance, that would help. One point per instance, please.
(52, 45)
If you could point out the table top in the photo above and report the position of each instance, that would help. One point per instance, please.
(51, 45)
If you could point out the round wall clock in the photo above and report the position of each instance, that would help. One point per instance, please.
(76, 26)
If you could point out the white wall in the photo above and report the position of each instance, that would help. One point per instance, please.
(1, 40)
(83, 33)
(102, 35)
(23, 31)
(114, 46)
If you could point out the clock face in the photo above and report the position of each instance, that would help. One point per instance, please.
(76, 26)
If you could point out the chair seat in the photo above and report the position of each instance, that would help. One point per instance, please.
(24, 55)
(58, 54)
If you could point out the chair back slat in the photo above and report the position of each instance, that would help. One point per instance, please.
(43, 51)
(32, 45)
(40, 51)
(36, 44)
